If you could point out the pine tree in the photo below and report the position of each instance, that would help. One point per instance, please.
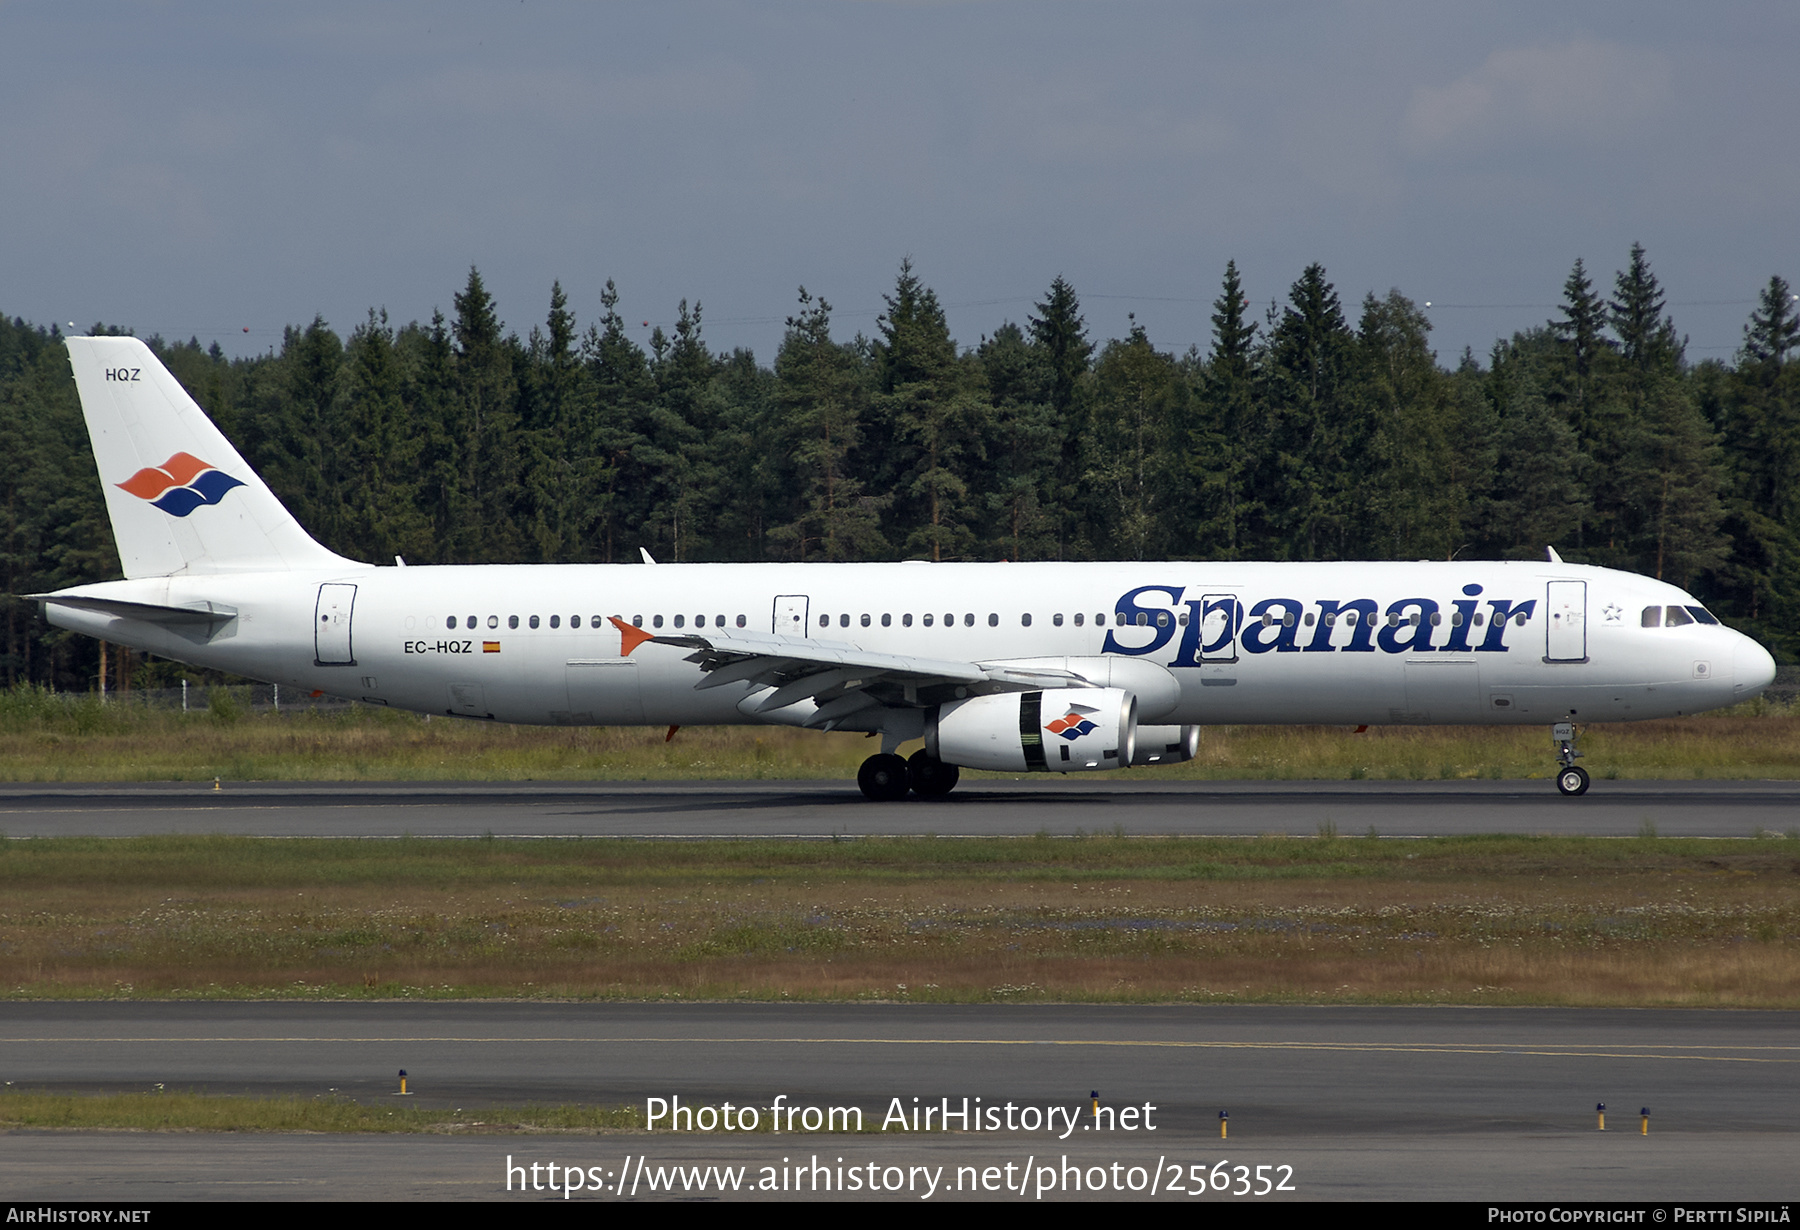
(1774, 327)
(1225, 428)
(935, 416)
(820, 396)
(1647, 338)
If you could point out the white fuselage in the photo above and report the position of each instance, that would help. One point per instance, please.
(1346, 643)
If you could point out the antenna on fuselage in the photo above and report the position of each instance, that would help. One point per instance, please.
(1552, 556)
(646, 555)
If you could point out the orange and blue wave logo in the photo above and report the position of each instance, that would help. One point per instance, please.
(1071, 726)
(181, 484)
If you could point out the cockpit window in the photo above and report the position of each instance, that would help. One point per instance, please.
(1678, 616)
(1652, 617)
(1702, 614)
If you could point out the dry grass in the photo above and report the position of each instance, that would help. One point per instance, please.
(1472, 920)
(173, 1111)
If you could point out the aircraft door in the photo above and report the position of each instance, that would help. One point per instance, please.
(1567, 625)
(1218, 628)
(790, 615)
(331, 626)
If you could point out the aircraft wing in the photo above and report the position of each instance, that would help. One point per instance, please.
(838, 676)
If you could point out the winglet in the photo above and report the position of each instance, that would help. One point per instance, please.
(629, 637)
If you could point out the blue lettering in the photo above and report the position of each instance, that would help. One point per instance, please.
(1128, 610)
(1362, 625)
(1417, 627)
(1503, 609)
(1462, 621)
(1264, 616)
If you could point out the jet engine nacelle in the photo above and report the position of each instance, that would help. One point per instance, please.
(1059, 730)
(1166, 744)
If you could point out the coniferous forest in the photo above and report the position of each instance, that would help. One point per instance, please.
(1307, 431)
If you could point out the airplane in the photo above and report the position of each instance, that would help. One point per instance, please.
(1016, 667)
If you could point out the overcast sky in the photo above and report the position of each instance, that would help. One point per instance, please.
(194, 169)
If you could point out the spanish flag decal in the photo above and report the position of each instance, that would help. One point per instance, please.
(490, 647)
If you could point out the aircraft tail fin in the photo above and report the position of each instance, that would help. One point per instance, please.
(181, 498)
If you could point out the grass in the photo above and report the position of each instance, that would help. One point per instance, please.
(50, 738)
(1517, 920)
(180, 1111)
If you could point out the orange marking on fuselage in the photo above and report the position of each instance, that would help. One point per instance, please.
(629, 637)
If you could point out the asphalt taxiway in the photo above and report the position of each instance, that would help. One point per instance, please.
(1059, 807)
(1442, 1103)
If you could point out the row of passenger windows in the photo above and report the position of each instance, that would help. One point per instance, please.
(531, 621)
(1677, 616)
(1652, 616)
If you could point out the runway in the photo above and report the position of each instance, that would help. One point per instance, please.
(1450, 1103)
(1059, 807)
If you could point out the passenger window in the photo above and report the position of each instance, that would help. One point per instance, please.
(1057, 619)
(1702, 614)
(1025, 621)
(949, 619)
(824, 621)
(1331, 619)
(1652, 617)
(865, 621)
(574, 621)
(512, 621)
(680, 621)
(1079, 617)
(470, 623)
(1287, 619)
(1182, 619)
(969, 619)
(493, 621)
(740, 621)
(1268, 618)
(1479, 617)
(1678, 618)
(1393, 620)
(655, 621)
(637, 621)
(556, 621)
(993, 620)
(906, 620)
(887, 620)
(450, 622)
(1455, 619)
(1519, 619)
(1099, 620)
(928, 621)
(1350, 617)
(1436, 619)
(534, 621)
(1309, 619)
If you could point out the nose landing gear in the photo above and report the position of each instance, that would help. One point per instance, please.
(1571, 779)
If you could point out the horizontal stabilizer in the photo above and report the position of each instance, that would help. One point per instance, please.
(201, 613)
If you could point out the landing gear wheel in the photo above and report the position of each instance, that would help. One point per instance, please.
(1572, 780)
(884, 778)
(931, 777)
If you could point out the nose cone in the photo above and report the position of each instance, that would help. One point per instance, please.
(1752, 669)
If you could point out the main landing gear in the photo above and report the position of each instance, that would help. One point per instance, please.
(1571, 779)
(887, 778)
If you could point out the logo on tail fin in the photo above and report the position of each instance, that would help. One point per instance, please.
(181, 484)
